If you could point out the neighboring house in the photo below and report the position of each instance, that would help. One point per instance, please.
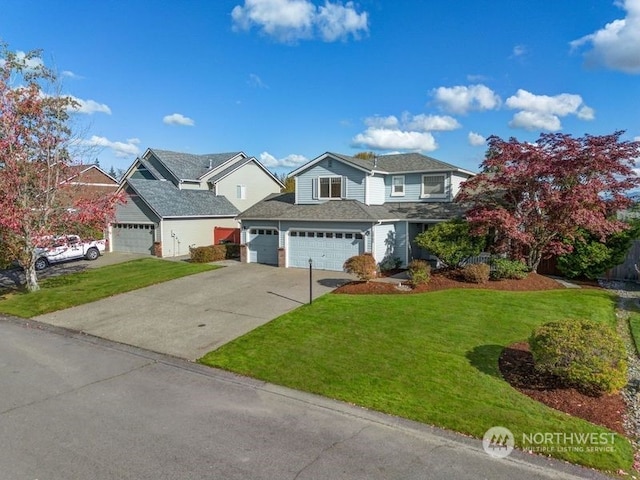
(345, 206)
(90, 181)
(178, 200)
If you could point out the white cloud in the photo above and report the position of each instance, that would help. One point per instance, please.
(410, 132)
(617, 44)
(256, 82)
(543, 112)
(519, 51)
(463, 99)
(386, 139)
(475, 139)
(431, 123)
(90, 106)
(290, 161)
(70, 74)
(336, 21)
(120, 149)
(177, 119)
(292, 20)
(536, 121)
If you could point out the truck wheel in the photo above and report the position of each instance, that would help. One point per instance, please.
(92, 254)
(41, 263)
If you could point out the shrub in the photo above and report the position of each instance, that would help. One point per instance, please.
(419, 272)
(363, 266)
(587, 355)
(214, 253)
(451, 241)
(390, 263)
(511, 269)
(476, 273)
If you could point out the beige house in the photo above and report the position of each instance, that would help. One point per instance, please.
(178, 200)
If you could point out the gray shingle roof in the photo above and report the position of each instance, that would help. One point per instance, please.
(399, 163)
(169, 201)
(282, 207)
(187, 166)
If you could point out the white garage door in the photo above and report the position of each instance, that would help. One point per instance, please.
(263, 245)
(132, 238)
(328, 250)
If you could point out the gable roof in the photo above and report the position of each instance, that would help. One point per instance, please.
(168, 201)
(188, 166)
(76, 171)
(388, 164)
(281, 206)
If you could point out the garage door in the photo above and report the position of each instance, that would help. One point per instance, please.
(263, 245)
(328, 250)
(133, 238)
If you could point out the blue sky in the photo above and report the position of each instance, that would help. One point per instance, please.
(287, 80)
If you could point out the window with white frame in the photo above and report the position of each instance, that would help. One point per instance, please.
(330, 187)
(397, 186)
(241, 192)
(433, 186)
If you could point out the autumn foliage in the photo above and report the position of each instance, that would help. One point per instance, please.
(534, 199)
(36, 149)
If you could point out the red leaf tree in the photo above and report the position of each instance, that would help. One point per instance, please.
(36, 145)
(534, 197)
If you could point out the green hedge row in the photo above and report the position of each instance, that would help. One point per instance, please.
(214, 253)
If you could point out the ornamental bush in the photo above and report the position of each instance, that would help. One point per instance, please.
(419, 272)
(587, 355)
(214, 253)
(476, 273)
(503, 268)
(363, 266)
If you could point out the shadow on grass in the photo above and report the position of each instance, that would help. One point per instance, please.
(485, 359)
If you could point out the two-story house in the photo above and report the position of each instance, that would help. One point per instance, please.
(345, 206)
(175, 200)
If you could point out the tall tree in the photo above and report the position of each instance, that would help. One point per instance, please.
(536, 198)
(35, 154)
(288, 182)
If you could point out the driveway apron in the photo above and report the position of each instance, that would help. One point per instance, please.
(193, 315)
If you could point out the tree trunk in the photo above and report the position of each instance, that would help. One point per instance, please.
(31, 279)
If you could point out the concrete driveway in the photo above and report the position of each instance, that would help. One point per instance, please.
(191, 316)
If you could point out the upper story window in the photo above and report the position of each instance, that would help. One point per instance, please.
(330, 187)
(241, 192)
(397, 186)
(433, 186)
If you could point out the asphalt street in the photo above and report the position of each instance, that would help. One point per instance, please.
(73, 406)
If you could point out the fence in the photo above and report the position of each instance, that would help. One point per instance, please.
(627, 269)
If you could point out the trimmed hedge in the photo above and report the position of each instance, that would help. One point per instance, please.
(214, 253)
(587, 355)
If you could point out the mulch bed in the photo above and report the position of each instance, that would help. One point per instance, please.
(516, 361)
(516, 366)
(446, 280)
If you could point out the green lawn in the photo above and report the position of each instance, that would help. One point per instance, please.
(67, 291)
(429, 357)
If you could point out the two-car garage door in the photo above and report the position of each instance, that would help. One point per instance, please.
(328, 250)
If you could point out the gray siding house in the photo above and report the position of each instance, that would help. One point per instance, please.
(174, 200)
(345, 206)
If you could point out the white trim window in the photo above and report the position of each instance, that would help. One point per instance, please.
(397, 186)
(330, 187)
(241, 192)
(433, 186)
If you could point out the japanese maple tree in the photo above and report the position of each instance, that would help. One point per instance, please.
(37, 200)
(536, 198)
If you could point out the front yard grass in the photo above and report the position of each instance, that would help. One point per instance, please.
(66, 291)
(429, 357)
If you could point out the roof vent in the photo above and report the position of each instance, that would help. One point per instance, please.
(375, 161)
(210, 163)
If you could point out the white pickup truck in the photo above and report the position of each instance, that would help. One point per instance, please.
(68, 247)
